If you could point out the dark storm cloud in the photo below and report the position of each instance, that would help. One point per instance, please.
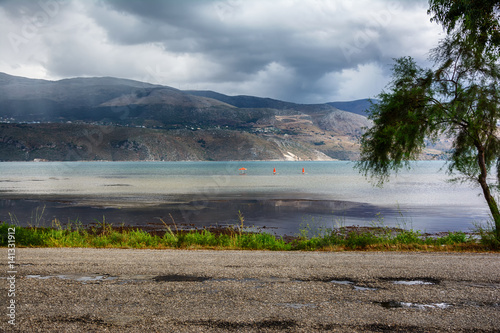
(305, 51)
(190, 27)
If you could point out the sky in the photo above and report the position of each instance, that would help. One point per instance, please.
(303, 51)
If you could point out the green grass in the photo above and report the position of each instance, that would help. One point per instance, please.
(313, 236)
(105, 236)
(339, 239)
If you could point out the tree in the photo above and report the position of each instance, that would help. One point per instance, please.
(459, 98)
(476, 20)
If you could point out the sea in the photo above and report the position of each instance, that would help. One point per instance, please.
(272, 196)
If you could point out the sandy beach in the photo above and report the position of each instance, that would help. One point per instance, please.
(124, 290)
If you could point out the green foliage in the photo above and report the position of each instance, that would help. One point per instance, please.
(204, 238)
(341, 238)
(487, 236)
(408, 237)
(312, 237)
(23, 236)
(139, 239)
(361, 240)
(310, 244)
(401, 122)
(453, 238)
(476, 21)
(459, 99)
(261, 241)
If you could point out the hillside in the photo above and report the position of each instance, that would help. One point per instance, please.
(360, 106)
(85, 142)
(118, 119)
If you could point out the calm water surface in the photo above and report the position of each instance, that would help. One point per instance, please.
(208, 193)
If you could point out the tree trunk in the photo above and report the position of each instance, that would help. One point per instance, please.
(492, 204)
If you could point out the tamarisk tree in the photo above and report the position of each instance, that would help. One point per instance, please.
(458, 98)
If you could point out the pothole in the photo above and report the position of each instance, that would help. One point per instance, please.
(180, 278)
(74, 277)
(408, 305)
(123, 278)
(344, 282)
(412, 281)
(356, 287)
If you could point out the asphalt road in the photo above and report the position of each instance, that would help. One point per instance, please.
(124, 290)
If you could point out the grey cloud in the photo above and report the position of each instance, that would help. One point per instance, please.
(182, 28)
(238, 46)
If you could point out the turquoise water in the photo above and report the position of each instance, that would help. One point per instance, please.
(203, 193)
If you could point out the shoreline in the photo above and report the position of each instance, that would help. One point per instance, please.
(284, 216)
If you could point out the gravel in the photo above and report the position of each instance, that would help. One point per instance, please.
(125, 290)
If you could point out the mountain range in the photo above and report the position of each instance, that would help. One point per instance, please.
(118, 119)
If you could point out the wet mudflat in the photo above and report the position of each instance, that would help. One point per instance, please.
(122, 290)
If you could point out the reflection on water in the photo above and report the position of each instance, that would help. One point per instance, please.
(208, 193)
(275, 216)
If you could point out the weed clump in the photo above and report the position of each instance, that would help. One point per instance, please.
(376, 237)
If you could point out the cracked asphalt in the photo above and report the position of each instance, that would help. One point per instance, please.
(126, 290)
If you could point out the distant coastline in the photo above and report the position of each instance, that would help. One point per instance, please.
(124, 120)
